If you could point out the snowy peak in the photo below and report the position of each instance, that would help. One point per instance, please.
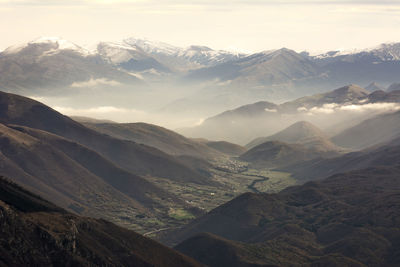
(153, 47)
(387, 52)
(48, 45)
(117, 53)
(384, 52)
(197, 54)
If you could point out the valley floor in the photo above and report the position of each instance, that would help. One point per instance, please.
(234, 178)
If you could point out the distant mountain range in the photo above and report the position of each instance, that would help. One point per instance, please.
(221, 79)
(333, 112)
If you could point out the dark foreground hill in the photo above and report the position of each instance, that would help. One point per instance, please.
(77, 178)
(136, 158)
(349, 219)
(35, 232)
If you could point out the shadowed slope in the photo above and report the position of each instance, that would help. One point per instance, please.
(139, 159)
(349, 219)
(155, 136)
(36, 232)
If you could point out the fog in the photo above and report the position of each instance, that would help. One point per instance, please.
(188, 107)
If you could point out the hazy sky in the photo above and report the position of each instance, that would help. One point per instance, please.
(251, 25)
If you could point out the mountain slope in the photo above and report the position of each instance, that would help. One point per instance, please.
(349, 219)
(136, 158)
(344, 95)
(379, 64)
(54, 63)
(394, 87)
(155, 136)
(379, 129)
(301, 132)
(272, 154)
(129, 58)
(245, 123)
(266, 68)
(387, 154)
(79, 179)
(36, 232)
(226, 147)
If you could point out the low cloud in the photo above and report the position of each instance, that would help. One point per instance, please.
(95, 82)
(105, 112)
(335, 108)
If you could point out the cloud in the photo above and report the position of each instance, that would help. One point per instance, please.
(334, 108)
(95, 82)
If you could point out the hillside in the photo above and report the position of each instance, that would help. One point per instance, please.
(273, 154)
(379, 129)
(81, 180)
(349, 219)
(155, 136)
(226, 147)
(301, 132)
(265, 68)
(347, 94)
(36, 232)
(136, 158)
(386, 154)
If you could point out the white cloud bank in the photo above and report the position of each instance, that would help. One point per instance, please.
(334, 108)
(95, 82)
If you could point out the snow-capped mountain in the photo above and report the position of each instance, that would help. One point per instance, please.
(55, 63)
(206, 56)
(51, 62)
(130, 58)
(153, 47)
(383, 52)
(49, 45)
(265, 68)
(201, 56)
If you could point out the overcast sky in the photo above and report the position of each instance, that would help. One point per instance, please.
(249, 25)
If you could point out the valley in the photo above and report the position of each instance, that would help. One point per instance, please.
(143, 153)
(231, 184)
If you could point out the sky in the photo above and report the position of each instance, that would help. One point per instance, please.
(242, 25)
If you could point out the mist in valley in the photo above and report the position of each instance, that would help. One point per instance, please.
(244, 133)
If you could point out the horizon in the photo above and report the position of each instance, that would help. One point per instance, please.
(313, 26)
(89, 47)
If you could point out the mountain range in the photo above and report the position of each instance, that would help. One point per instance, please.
(333, 112)
(215, 79)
